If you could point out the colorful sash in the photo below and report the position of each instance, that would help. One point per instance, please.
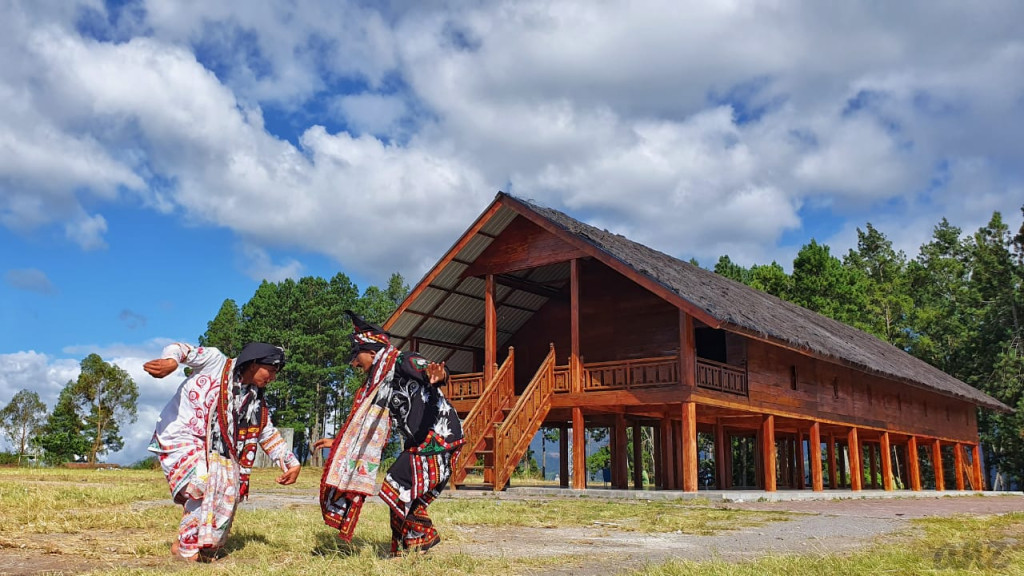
(350, 474)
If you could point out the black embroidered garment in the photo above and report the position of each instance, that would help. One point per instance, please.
(419, 411)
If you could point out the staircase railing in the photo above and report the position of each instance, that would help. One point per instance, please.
(513, 435)
(489, 408)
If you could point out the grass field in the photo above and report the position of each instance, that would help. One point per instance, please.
(122, 522)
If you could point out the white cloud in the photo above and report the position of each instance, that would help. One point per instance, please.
(375, 114)
(696, 130)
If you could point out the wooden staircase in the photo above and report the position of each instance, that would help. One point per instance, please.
(478, 427)
(506, 438)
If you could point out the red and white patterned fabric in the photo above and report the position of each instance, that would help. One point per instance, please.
(205, 473)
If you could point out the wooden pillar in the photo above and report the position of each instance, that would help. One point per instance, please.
(886, 455)
(690, 481)
(940, 480)
(872, 470)
(563, 456)
(843, 449)
(638, 456)
(659, 457)
(979, 480)
(490, 331)
(833, 480)
(668, 465)
(575, 369)
(913, 465)
(621, 466)
(958, 465)
(579, 450)
(721, 476)
(687, 351)
(768, 451)
(853, 445)
(814, 451)
(800, 462)
(677, 455)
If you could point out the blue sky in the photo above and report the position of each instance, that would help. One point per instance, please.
(157, 158)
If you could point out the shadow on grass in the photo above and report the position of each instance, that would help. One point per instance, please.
(240, 540)
(328, 544)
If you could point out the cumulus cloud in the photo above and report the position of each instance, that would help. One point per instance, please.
(697, 131)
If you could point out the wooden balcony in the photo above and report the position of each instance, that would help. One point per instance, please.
(636, 374)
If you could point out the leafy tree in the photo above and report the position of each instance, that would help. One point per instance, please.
(944, 304)
(62, 438)
(22, 419)
(726, 267)
(224, 331)
(993, 356)
(822, 284)
(771, 278)
(108, 397)
(887, 287)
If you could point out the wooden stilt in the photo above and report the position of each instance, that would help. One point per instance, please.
(979, 479)
(856, 476)
(872, 470)
(563, 456)
(638, 456)
(768, 451)
(620, 464)
(689, 446)
(913, 465)
(958, 465)
(721, 465)
(885, 453)
(814, 451)
(833, 479)
(579, 450)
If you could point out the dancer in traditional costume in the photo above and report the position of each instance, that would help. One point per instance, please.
(207, 434)
(401, 389)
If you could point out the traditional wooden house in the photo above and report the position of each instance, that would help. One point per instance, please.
(547, 321)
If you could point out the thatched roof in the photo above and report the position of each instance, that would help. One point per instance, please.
(744, 309)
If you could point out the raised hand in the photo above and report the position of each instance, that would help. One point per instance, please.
(160, 367)
(436, 372)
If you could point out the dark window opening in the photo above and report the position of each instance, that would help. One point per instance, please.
(710, 344)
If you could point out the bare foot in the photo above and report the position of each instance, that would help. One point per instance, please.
(176, 552)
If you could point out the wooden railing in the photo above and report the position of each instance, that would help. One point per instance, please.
(465, 386)
(622, 374)
(630, 374)
(722, 377)
(627, 375)
(513, 435)
(488, 409)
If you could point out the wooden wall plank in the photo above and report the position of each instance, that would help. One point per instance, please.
(520, 246)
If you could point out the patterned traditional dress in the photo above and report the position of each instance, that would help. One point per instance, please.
(397, 392)
(206, 441)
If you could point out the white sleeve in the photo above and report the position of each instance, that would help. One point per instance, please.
(195, 357)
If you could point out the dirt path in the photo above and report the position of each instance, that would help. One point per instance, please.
(818, 527)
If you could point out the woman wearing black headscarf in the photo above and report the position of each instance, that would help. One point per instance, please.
(206, 437)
